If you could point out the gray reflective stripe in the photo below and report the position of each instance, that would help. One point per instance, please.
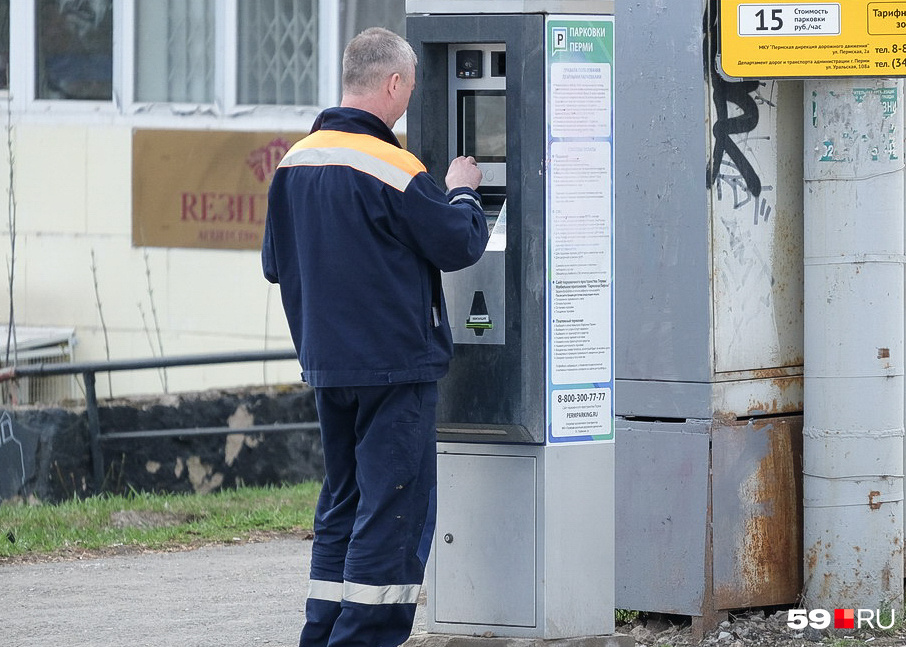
(390, 594)
(464, 196)
(384, 171)
(324, 590)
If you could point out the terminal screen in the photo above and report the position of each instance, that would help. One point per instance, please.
(482, 124)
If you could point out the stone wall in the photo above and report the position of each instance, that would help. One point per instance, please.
(45, 452)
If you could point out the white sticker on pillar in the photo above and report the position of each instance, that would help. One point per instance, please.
(579, 226)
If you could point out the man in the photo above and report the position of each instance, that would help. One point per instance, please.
(357, 233)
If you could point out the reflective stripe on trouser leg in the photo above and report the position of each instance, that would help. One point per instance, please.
(363, 593)
(388, 594)
(327, 591)
(385, 606)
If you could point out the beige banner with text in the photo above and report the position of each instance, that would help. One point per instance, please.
(204, 189)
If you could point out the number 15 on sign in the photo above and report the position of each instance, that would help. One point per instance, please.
(803, 19)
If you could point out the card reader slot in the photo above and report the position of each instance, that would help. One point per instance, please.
(463, 430)
(492, 200)
(471, 432)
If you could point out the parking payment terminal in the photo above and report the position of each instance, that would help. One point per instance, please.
(524, 538)
(477, 103)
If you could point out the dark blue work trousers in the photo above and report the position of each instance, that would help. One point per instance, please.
(375, 516)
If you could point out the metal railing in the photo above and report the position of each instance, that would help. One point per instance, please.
(88, 371)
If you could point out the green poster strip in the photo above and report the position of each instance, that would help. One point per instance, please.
(579, 223)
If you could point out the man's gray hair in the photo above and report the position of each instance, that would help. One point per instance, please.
(372, 56)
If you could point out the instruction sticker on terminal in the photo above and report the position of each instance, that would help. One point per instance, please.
(579, 222)
(802, 39)
(581, 413)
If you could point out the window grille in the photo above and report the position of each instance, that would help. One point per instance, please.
(38, 346)
(46, 390)
(278, 52)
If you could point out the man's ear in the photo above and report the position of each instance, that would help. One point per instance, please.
(394, 83)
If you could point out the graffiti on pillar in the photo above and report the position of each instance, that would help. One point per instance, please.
(731, 182)
(12, 458)
(726, 94)
(756, 224)
(737, 108)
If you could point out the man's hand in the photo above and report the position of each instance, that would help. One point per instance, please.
(463, 171)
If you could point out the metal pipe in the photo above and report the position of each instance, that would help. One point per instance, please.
(211, 431)
(40, 370)
(854, 353)
(88, 370)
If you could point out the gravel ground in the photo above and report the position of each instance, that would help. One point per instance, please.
(756, 628)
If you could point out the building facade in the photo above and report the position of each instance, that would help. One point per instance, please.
(141, 135)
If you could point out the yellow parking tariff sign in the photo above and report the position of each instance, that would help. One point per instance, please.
(803, 39)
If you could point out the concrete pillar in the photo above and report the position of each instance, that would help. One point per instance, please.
(854, 354)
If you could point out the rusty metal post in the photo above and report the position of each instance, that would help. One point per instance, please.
(854, 353)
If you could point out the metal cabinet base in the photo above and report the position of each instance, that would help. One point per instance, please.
(709, 515)
(524, 541)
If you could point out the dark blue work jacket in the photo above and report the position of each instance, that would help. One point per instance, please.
(357, 233)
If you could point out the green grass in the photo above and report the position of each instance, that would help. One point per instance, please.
(154, 521)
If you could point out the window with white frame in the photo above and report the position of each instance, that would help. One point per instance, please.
(143, 55)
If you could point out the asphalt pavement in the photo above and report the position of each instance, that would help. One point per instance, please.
(241, 595)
